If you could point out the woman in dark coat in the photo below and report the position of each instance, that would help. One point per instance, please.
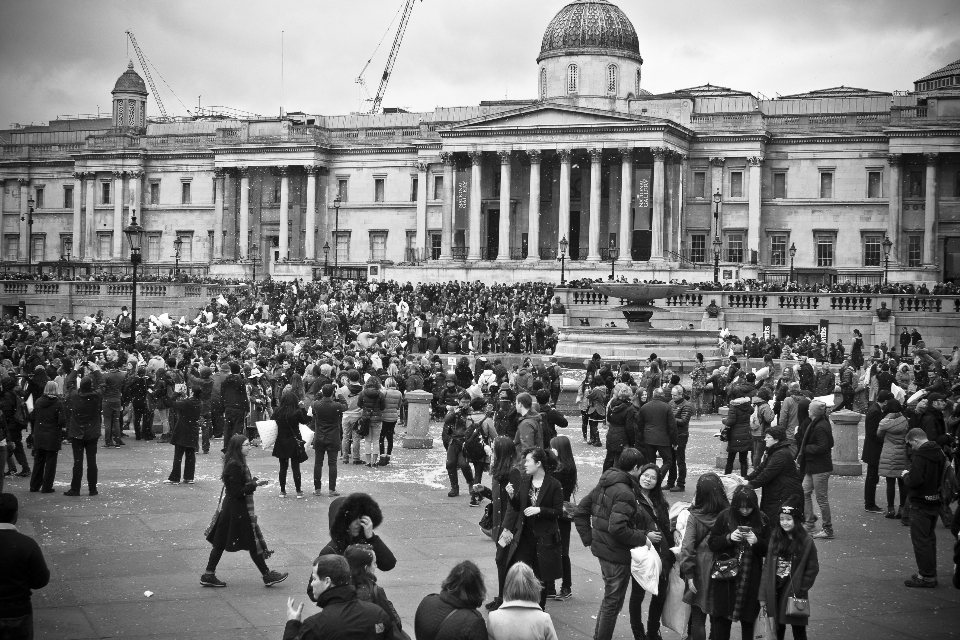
(739, 438)
(623, 418)
(49, 427)
(776, 473)
(452, 614)
(185, 438)
(736, 600)
(234, 527)
(653, 517)
(289, 416)
(352, 520)
(530, 526)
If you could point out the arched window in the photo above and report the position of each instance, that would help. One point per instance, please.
(613, 74)
(573, 78)
(543, 84)
(637, 90)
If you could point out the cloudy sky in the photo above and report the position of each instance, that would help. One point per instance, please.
(63, 56)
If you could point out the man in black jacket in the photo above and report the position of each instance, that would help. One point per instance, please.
(22, 568)
(904, 342)
(233, 394)
(872, 446)
(922, 481)
(327, 412)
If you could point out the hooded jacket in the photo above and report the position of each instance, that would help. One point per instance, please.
(373, 401)
(85, 416)
(931, 421)
(622, 420)
(738, 420)
(925, 474)
(607, 518)
(49, 419)
(350, 395)
(779, 478)
(233, 393)
(529, 431)
(343, 616)
(345, 510)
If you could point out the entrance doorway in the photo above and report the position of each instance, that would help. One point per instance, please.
(951, 260)
(574, 235)
(642, 238)
(797, 331)
(493, 234)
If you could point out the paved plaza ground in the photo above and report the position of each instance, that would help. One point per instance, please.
(140, 535)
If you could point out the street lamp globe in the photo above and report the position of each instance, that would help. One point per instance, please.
(563, 245)
(887, 245)
(134, 233)
(717, 197)
(793, 250)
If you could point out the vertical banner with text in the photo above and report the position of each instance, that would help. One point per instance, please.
(767, 328)
(824, 330)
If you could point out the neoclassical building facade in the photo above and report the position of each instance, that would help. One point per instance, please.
(656, 182)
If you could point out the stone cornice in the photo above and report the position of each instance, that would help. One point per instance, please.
(921, 133)
(561, 130)
(827, 139)
(732, 137)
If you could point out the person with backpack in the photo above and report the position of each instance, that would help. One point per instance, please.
(124, 324)
(453, 435)
(848, 385)
(597, 399)
(761, 420)
(530, 428)
(550, 417)
(15, 419)
(393, 399)
(554, 375)
(477, 442)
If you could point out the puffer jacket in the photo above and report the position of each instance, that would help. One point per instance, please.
(372, 401)
(779, 478)
(608, 520)
(739, 437)
(893, 457)
(815, 455)
(233, 393)
(49, 420)
(622, 422)
(392, 401)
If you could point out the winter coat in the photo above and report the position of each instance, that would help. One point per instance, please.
(529, 432)
(342, 617)
(521, 620)
(622, 421)
(682, 412)
(657, 426)
(893, 457)
(372, 401)
(872, 442)
(925, 475)
(85, 416)
(501, 498)
(49, 422)
(696, 558)
(931, 421)
(825, 385)
(443, 616)
(464, 375)
(187, 433)
(288, 433)
(326, 421)
(597, 407)
(392, 401)
(779, 478)
(804, 568)
(816, 447)
(739, 437)
(233, 393)
(723, 592)
(233, 529)
(341, 513)
(607, 518)
(657, 520)
(545, 525)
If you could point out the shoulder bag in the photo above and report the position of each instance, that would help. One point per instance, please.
(216, 515)
(725, 567)
(569, 507)
(797, 607)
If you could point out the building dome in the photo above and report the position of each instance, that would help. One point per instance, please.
(130, 82)
(590, 26)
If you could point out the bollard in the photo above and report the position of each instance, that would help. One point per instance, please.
(846, 450)
(418, 421)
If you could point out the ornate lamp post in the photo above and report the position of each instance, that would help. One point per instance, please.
(177, 246)
(563, 257)
(336, 231)
(887, 245)
(134, 233)
(254, 256)
(716, 258)
(613, 254)
(793, 252)
(326, 255)
(29, 218)
(716, 212)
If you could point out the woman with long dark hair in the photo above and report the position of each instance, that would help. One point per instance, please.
(363, 576)
(289, 416)
(234, 527)
(566, 475)
(654, 517)
(504, 479)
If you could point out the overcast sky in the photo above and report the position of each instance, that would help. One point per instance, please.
(63, 56)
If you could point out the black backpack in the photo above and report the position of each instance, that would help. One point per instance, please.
(474, 442)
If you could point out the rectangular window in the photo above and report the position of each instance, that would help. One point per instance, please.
(736, 184)
(780, 185)
(37, 246)
(435, 242)
(343, 247)
(378, 186)
(438, 187)
(185, 193)
(698, 247)
(778, 250)
(825, 251)
(153, 248)
(39, 197)
(68, 197)
(915, 184)
(276, 190)
(105, 241)
(735, 247)
(378, 246)
(104, 193)
(154, 193)
(414, 188)
(342, 189)
(826, 184)
(11, 248)
(872, 251)
(186, 249)
(914, 251)
(874, 182)
(699, 184)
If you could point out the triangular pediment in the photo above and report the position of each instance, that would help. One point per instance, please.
(552, 115)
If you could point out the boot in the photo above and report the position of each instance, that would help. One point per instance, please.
(899, 514)
(454, 491)
(891, 514)
(384, 461)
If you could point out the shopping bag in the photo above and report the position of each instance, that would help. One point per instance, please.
(645, 567)
(268, 433)
(766, 627)
(676, 612)
(306, 434)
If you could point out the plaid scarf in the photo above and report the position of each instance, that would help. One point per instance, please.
(258, 539)
(743, 579)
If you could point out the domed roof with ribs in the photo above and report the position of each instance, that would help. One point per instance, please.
(130, 82)
(590, 26)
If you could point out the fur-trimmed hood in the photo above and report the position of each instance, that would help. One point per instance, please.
(345, 510)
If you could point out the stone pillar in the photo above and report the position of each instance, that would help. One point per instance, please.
(89, 237)
(846, 452)
(77, 213)
(503, 251)
(284, 172)
(895, 205)
(716, 184)
(593, 248)
(930, 210)
(418, 420)
(476, 160)
(117, 214)
(563, 214)
(244, 239)
(753, 207)
(533, 218)
(421, 242)
(659, 194)
(219, 175)
(446, 220)
(24, 216)
(626, 205)
(309, 244)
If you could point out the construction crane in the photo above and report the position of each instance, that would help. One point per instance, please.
(146, 72)
(385, 78)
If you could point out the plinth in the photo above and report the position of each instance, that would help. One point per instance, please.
(846, 453)
(418, 421)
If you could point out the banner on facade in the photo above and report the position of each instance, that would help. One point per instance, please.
(824, 330)
(767, 328)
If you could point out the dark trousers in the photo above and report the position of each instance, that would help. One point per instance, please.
(283, 473)
(653, 614)
(179, 453)
(455, 459)
(903, 350)
(892, 485)
(870, 485)
(19, 628)
(217, 553)
(112, 419)
(527, 552)
(233, 421)
(81, 447)
(205, 427)
(759, 446)
(216, 411)
(923, 520)
(16, 437)
(731, 455)
(567, 580)
(720, 628)
(612, 459)
(665, 452)
(848, 394)
(331, 451)
(44, 470)
(386, 434)
(140, 423)
(678, 463)
(799, 630)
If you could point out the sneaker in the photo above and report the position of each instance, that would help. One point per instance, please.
(299, 495)
(474, 501)
(565, 594)
(189, 481)
(171, 482)
(919, 581)
(109, 445)
(283, 494)
(24, 474)
(119, 443)
(873, 509)
(359, 462)
(332, 493)
(71, 493)
(318, 493)
(46, 491)
(211, 580)
(94, 492)
(274, 577)
(823, 534)
(677, 489)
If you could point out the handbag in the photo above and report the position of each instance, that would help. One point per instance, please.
(301, 452)
(569, 508)
(797, 607)
(725, 567)
(486, 520)
(216, 515)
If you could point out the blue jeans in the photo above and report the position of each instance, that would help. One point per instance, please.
(616, 579)
(817, 484)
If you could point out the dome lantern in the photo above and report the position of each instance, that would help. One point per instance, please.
(130, 100)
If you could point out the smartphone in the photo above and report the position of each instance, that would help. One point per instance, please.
(743, 529)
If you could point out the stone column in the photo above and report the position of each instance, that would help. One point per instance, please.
(895, 205)
(533, 218)
(476, 160)
(659, 194)
(716, 184)
(219, 175)
(930, 210)
(77, 213)
(244, 239)
(284, 172)
(846, 459)
(753, 206)
(309, 244)
(503, 252)
(117, 214)
(593, 249)
(626, 205)
(89, 237)
(421, 242)
(418, 421)
(681, 202)
(24, 215)
(446, 217)
(563, 214)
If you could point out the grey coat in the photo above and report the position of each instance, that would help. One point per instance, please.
(893, 457)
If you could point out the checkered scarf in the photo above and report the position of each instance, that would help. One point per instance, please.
(743, 579)
(258, 538)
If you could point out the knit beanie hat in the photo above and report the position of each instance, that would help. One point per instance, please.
(778, 433)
